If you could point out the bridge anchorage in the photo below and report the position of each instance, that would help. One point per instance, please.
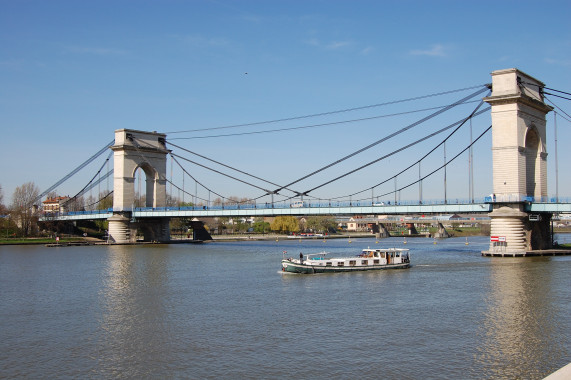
(519, 165)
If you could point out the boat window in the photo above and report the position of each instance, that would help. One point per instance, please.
(376, 261)
(352, 262)
(340, 264)
(382, 255)
(364, 262)
(328, 264)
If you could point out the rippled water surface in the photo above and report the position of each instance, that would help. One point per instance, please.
(225, 310)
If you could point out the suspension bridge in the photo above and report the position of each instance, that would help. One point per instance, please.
(519, 206)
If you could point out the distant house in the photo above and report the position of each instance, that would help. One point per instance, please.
(357, 223)
(54, 205)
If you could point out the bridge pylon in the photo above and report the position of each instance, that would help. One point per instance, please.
(132, 150)
(519, 163)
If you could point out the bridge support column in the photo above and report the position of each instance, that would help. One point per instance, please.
(380, 231)
(155, 229)
(199, 232)
(147, 151)
(519, 163)
(441, 233)
(121, 231)
(411, 229)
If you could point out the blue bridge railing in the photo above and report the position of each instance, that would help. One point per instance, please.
(322, 204)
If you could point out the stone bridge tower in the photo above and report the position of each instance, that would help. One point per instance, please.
(519, 161)
(133, 150)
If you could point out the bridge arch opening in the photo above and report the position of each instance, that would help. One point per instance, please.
(145, 182)
(532, 159)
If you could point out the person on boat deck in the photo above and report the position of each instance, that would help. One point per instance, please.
(301, 258)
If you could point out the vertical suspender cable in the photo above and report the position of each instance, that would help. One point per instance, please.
(107, 167)
(556, 163)
(419, 184)
(471, 168)
(445, 199)
(395, 190)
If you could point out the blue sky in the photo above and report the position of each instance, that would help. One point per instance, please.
(72, 72)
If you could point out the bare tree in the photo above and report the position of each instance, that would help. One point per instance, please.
(23, 209)
(75, 204)
(105, 200)
(2, 207)
(171, 201)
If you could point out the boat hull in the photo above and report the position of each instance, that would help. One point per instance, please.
(291, 267)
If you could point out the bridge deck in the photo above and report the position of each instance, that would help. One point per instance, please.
(263, 210)
(250, 210)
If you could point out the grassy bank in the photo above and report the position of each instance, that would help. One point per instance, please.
(31, 241)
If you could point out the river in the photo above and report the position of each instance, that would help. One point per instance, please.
(225, 310)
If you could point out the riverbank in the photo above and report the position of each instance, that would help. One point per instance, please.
(42, 241)
(69, 241)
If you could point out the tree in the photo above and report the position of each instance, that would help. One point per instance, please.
(171, 201)
(105, 201)
(260, 226)
(285, 224)
(321, 223)
(2, 207)
(23, 207)
(75, 204)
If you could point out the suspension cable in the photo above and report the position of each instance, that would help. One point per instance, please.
(74, 171)
(190, 175)
(387, 137)
(330, 112)
(226, 166)
(559, 96)
(313, 125)
(85, 188)
(206, 188)
(541, 88)
(442, 166)
(459, 124)
(562, 92)
(136, 145)
(221, 173)
(100, 199)
(559, 108)
(95, 183)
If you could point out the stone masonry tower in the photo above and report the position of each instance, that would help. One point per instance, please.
(519, 161)
(133, 150)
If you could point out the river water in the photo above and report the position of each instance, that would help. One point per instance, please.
(225, 310)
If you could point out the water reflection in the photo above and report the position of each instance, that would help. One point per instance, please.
(134, 315)
(519, 335)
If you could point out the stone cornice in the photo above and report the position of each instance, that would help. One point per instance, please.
(145, 149)
(518, 98)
